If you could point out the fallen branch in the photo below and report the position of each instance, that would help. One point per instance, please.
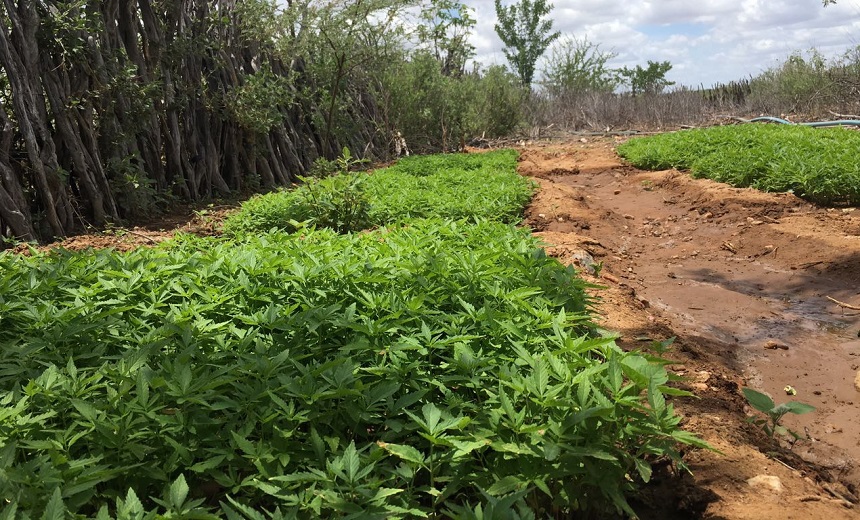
(613, 279)
(810, 264)
(844, 116)
(844, 305)
(141, 235)
(844, 496)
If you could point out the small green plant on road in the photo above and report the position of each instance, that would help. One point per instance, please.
(774, 413)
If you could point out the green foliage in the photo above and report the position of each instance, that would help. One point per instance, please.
(133, 190)
(773, 413)
(404, 372)
(651, 80)
(477, 186)
(526, 32)
(444, 30)
(576, 66)
(322, 168)
(63, 23)
(499, 102)
(802, 82)
(338, 202)
(431, 110)
(256, 103)
(468, 186)
(329, 198)
(437, 112)
(347, 43)
(819, 165)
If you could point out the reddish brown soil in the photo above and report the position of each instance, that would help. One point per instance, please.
(741, 279)
(203, 221)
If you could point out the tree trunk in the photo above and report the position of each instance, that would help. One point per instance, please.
(114, 102)
(19, 58)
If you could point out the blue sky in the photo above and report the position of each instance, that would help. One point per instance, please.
(707, 41)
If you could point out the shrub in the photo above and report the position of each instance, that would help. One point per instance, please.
(437, 112)
(338, 202)
(799, 84)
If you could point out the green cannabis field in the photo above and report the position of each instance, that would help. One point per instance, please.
(428, 367)
(817, 164)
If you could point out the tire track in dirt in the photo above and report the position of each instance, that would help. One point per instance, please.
(741, 278)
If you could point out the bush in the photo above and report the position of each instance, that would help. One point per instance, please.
(500, 100)
(799, 84)
(819, 165)
(437, 112)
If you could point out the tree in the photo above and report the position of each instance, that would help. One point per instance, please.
(111, 108)
(651, 80)
(353, 40)
(579, 66)
(445, 28)
(526, 33)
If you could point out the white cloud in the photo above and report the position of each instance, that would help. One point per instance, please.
(708, 41)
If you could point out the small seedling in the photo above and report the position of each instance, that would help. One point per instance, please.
(771, 425)
(347, 162)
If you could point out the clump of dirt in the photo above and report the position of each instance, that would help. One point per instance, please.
(553, 164)
(741, 279)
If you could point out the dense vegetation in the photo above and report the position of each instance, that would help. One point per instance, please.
(454, 186)
(433, 368)
(819, 165)
(112, 110)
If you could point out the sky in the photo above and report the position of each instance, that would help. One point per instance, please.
(707, 41)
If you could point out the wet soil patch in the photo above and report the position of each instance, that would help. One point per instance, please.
(742, 279)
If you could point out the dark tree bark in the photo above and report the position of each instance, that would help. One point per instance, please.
(19, 58)
(123, 101)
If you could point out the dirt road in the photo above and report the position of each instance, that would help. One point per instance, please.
(742, 279)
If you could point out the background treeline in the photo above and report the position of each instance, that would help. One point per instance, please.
(581, 92)
(112, 109)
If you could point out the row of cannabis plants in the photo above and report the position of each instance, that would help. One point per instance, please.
(410, 365)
